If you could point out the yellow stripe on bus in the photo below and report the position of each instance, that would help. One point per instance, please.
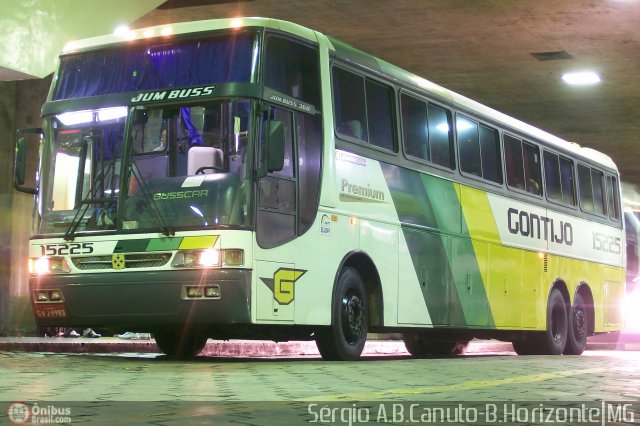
(202, 242)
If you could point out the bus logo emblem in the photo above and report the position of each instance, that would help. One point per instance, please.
(282, 284)
(117, 261)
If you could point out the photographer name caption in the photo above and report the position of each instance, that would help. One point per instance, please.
(593, 413)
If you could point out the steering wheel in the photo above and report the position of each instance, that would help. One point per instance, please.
(201, 170)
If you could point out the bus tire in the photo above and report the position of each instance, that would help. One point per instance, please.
(178, 345)
(554, 339)
(420, 346)
(344, 340)
(578, 327)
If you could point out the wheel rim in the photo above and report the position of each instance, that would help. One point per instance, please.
(557, 331)
(579, 324)
(352, 316)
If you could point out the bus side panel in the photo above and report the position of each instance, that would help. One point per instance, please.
(448, 272)
(304, 295)
(380, 242)
(512, 277)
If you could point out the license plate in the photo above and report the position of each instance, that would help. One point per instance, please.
(51, 311)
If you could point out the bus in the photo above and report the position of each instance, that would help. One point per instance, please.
(252, 178)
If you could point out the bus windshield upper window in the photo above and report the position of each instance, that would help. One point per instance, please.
(220, 59)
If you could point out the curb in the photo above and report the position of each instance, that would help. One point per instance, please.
(252, 348)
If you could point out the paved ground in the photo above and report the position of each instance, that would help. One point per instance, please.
(148, 388)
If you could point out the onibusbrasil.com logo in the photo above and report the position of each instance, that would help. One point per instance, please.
(506, 413)
(20, 413)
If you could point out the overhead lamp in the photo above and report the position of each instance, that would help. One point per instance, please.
(121, 30)
(582, 78)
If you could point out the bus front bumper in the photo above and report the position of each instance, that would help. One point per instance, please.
(143, 299)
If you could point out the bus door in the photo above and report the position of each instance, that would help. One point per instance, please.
(287, 206)
(276, 225)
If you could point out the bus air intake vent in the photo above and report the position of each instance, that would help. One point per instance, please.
(135, 260)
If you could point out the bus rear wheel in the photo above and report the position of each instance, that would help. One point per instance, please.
(180, 345)
(344, 340)
(553, 340)
(578, 323)
(421, 346)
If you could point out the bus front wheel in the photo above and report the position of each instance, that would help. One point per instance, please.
(180, 345)
(344, 340)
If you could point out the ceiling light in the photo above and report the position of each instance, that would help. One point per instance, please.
(583, 78)
(121, 30)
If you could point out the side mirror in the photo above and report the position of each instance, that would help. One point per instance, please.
(275, 150)
(21, 159)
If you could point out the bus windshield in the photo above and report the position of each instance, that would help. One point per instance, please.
(180, 166)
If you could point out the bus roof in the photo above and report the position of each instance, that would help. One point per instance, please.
(357, 56)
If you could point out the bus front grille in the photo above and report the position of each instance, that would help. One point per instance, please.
(123, 261)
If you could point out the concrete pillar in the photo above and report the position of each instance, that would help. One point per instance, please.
(20, 105)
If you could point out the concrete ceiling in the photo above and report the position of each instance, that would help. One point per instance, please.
(483, 49)
(35, 31)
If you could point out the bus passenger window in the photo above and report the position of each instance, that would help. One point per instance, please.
(586, 193)
(414, 127)
(440, 136)
(597, 182)
(513, 161)
(567, 181)
(613, 198)
(349, 104)
(533, 182)
(380, 115)
(469, 145)
(552, 176)
(490, 154)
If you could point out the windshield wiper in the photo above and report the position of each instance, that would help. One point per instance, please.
(90, 198)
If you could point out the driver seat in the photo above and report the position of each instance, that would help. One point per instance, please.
(212, 159)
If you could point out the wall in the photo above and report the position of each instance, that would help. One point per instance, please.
(20, 104)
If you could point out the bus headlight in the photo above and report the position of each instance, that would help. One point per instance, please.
(46, 265)
(233, 257)
(208, 258)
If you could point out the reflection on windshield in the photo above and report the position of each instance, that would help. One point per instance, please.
(187, 167)
(84, 170)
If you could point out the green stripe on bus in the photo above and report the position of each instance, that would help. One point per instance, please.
(441, 249)
(131, 246)
(161, 244)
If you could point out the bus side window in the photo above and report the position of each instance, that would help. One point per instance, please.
(552, 176)
(533, 183)
(597, 182)
(363, 109)
(469, 145)
(567, 181)
(586, 192)
(349, 104)
(440, 136)
(414, 127)
(613, 198)
(514, 162)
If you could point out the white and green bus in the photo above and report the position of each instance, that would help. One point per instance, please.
(255, 179)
